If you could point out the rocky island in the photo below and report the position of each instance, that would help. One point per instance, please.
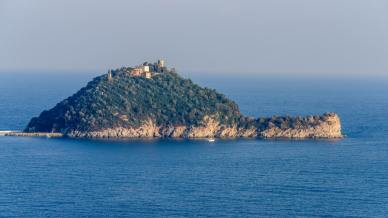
(151, 100)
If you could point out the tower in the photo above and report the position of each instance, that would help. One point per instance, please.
(110, 74)
(146, 68)
(160, 63)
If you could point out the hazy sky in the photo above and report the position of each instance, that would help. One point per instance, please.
(243, 36)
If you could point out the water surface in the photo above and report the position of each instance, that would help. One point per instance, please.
(235, 178)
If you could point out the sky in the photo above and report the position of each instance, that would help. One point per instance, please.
(316, 37)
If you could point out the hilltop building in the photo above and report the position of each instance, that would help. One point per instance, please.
(137, 71)
(147, 70)
(148, 75)
(160, 63)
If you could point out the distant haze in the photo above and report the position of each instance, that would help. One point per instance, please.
(216, 36)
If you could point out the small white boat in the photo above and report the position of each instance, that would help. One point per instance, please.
(211, 140)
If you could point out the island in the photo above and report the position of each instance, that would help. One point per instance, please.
(153, 101)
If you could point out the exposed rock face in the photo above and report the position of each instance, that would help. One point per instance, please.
(326, 126)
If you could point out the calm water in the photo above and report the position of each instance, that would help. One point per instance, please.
(236, 178)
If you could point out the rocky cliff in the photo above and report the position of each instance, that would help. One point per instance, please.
(166, 105)
(325, 126)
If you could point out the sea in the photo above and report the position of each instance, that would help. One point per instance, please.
(62, 177)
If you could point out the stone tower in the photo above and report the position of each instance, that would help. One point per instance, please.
(160, 63)
(110, 74)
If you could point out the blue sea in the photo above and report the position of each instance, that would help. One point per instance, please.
(47, 177)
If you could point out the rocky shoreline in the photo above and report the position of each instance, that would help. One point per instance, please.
(328, 126)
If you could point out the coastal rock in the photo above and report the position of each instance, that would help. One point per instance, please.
(148, 130)
(327, 126)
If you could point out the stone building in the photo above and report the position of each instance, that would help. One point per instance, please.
(145, 68)
(161, 63)
(137, 72)
(148, 70)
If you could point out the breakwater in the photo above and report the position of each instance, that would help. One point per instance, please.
(33, 134)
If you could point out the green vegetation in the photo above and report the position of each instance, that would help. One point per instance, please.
(127, 101)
